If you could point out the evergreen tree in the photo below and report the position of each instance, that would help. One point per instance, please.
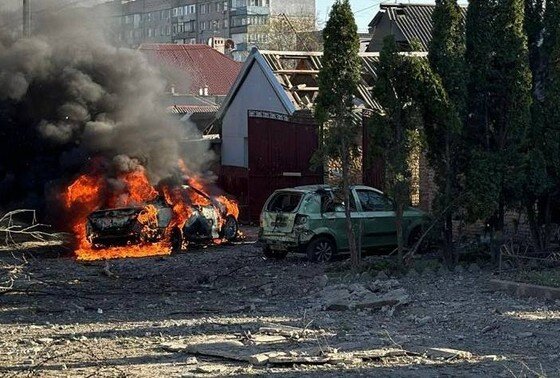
(447, 59)
(543, 157)
(393, 128)
(499, 91)
(447, 51)
(480, 46)
(534, 10)
(338, 81)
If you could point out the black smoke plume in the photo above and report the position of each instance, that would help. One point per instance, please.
(68, 97)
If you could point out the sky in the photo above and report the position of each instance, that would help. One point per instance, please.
(364, 11)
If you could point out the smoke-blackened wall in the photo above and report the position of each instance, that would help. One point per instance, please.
(67, 97)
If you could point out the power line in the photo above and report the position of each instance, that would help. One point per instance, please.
(365, 9)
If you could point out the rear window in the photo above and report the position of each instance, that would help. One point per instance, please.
(284, 202)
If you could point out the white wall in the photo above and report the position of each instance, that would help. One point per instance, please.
(255, 93)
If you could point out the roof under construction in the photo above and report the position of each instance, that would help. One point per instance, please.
(294, 75)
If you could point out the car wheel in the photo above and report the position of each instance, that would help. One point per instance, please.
(176, 241)
(271, 254)
(230, 229)
(321, 249)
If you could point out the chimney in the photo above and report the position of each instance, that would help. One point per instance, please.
(206, 90)
(26, 19)
(173, 89)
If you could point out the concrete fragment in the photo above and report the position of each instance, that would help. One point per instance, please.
(174, 347)
(321, 281)
(286, 359)
(210, 369)
(524, 335)
(375, 354)
(412, 273)
(474, 268)
(382, 276)
(525, 290)
(267, 339)
(288, 331)
(443, 353)
(427, 272)
(191, 360)
(392, 298)
(231, 350)
(459, 269)
(424, 320)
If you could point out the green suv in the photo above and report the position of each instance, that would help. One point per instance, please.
(310, 219)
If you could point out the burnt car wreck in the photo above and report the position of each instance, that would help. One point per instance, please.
(156, 221)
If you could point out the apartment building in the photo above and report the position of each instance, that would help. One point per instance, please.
(244, 23)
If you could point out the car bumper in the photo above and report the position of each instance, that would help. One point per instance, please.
(110, 240)
(284, 241)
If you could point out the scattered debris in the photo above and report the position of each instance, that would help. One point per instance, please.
(288, 331)
(474, 268)
(375, 296)
(382, 276)
(444, 353)
(156, 308)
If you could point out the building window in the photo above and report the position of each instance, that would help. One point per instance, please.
(168, 30)
(177, 11)
(225, 5)
(202, 8)
(226, 23)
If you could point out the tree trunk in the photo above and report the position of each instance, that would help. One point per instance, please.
(539, 222)
(449, 253)
(400, 239)
(534, 225)
(345, 154)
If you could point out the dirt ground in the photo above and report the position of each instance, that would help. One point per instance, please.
(68, 318)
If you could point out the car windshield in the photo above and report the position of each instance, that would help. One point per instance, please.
(285, 202)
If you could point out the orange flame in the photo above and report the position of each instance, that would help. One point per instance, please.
(90, 192)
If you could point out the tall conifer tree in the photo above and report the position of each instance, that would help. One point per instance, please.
(338, 81)
(447, 59)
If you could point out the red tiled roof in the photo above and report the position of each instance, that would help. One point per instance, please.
(191, 109)
(201, 65)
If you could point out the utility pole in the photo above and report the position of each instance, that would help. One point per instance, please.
(26, 19)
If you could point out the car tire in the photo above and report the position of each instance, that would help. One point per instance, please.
(276, 255)
(230, 229)
(176, 240)
(321, 249)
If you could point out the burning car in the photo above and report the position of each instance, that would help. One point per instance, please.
(199, 218)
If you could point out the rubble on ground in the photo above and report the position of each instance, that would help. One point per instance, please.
(228, 299)
(372, 296)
